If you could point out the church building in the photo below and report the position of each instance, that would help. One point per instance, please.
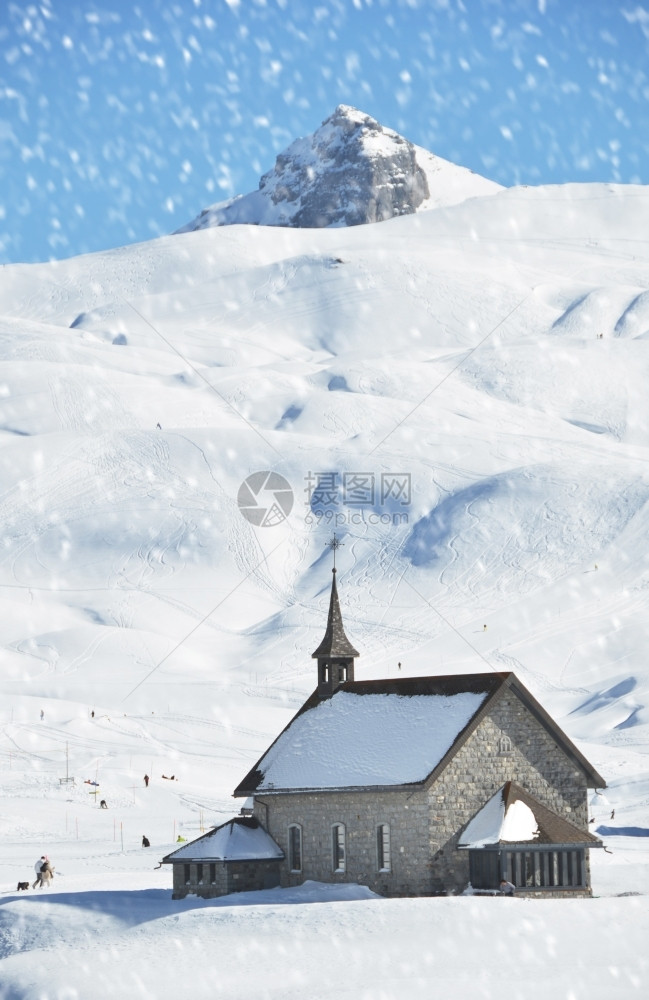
(412, 786)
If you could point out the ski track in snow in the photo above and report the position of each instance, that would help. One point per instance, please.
(460, 346)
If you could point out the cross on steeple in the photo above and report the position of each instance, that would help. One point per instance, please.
(335, 544)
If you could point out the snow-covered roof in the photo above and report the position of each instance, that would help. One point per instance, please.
(240, 839)
(512, 816)
(373, 733)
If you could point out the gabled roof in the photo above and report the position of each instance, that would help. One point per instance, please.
(512, 816)
(371, 733)
(383, 734)
(240, 839)
(335, 642)
(510, 682)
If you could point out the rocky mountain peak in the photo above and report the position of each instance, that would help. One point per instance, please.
(352, 170)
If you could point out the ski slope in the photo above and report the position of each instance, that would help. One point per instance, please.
(494, 353)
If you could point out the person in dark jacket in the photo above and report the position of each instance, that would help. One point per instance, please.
(47, 873)
(146, 842)
(44, 872)
(37, 868)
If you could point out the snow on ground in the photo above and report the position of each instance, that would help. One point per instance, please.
(130, 941)
(483, 368)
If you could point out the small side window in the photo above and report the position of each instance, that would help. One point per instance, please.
(295, 848)
(338, 847)
(383, 847)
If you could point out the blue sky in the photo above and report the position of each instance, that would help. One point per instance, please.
(120, 121)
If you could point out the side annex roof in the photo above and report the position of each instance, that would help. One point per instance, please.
(513, 816)
(240, 839)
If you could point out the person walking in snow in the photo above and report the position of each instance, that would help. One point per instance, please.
(42, 714)
(47, 873)
(146, 780)
(37, 868)
(44, 872)
(146, 842)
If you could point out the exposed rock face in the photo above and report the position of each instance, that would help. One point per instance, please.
(350, 171)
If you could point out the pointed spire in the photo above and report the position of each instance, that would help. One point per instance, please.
(335, 642)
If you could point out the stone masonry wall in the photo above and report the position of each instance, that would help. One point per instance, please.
(480, 768)
(361, 813)
(248, 876)
(233, 876)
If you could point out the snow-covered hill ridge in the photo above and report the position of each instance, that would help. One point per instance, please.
(491, 358)
(309, 348)
(350, 171)
(564, 230)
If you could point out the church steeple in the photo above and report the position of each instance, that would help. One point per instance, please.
(335, 654)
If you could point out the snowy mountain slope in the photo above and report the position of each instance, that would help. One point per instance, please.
(489, 358)
(350, 171)
(305, 358)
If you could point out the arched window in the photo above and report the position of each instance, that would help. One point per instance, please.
(505, 744)
(338, 847)
(295, 848)
(383, 847)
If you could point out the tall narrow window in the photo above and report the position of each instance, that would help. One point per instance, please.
(383, 847)
(187, 873)
(212, 874)
(199, 874)
(338, 847)
(295, 848)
